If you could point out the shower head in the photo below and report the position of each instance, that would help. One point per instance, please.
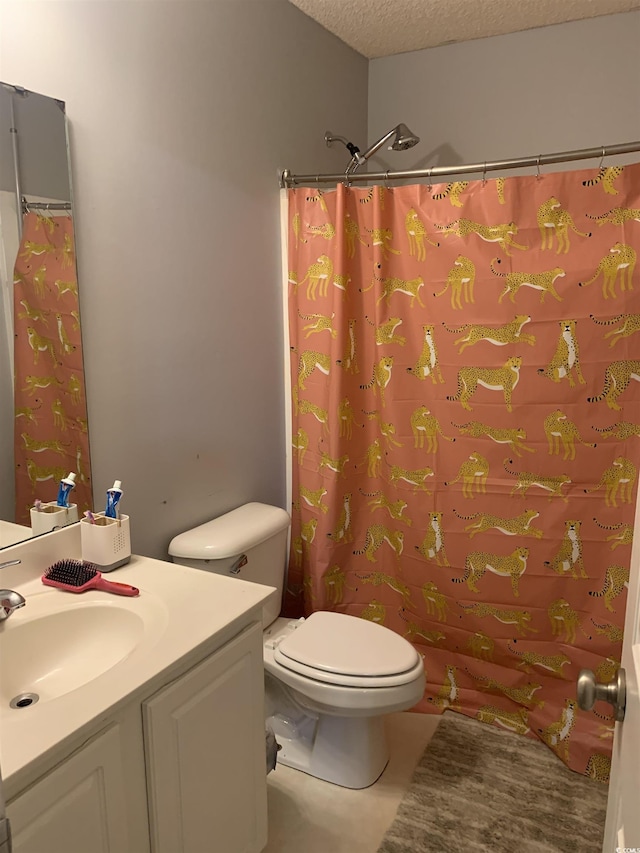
(402, 137)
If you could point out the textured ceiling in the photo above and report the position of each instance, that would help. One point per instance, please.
(383, 27)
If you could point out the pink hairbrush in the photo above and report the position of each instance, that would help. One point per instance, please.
(77, 576)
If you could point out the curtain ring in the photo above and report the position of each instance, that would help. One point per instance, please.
(604, 152)
(386, 180)
(429, 185)
(538, 175)
(484, 174)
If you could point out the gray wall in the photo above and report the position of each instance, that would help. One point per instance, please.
(558, 88)
(181, 114)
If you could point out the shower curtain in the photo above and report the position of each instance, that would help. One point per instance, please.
(51, 435)
(466, 432)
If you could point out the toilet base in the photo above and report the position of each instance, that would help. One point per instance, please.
(347, 751)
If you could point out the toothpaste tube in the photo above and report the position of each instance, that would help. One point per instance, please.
(113, 499)
(66, 484)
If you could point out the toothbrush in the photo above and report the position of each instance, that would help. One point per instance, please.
(90, 516)
(77, 576)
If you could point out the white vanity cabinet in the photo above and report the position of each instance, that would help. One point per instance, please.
(180, 770)
(205, 750)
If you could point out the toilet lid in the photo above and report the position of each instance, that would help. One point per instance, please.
(346, 645)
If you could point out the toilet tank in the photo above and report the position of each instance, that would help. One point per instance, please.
(249, 542)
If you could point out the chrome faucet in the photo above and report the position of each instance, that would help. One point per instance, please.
(9, 601)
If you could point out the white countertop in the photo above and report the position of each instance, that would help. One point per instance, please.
(184, 608)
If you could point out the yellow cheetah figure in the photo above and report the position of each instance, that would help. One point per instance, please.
(424, 425)
(473, 473)
(318, 276)
(432, 547)
(478, 563)
(560, 430)
(550, 663)
(617, 216)
(617, 377)
(377, 535)
(503, 234)
(519, 525)
(375, 611)
(334, 583)
(460, 281)
(569, 560)
(519, 618)
(543, 281)
(606, 176)
(555, 221)
(435, 601)
(616, 579)
(619, 263)
(515, 437)
(416, 235)
(308, 361)
(557, 735)
(567, 356)
(513, 721)
(508, 333)
(621, 475)
(564, 620)
(381, 377)
(503, 379)
(453, 192)
(342, 531)
(427, 364)
(630, 325)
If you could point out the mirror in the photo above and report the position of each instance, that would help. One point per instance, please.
(43, 414)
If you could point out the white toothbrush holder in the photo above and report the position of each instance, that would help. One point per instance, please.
(50, 516)
(106, 542)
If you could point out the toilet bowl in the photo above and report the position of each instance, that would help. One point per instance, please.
(332, 725)
(330, 678)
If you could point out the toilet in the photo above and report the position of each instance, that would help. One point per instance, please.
(330, 678)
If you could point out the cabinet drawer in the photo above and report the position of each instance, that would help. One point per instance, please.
(79, 807)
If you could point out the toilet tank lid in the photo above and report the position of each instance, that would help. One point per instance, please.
(230, 534)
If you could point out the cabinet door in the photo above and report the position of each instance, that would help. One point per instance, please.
(205, 751)
(80, 807)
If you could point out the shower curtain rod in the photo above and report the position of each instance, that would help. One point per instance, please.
(45, 205)
(287, 180)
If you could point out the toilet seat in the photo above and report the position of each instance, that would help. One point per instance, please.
(343, 650)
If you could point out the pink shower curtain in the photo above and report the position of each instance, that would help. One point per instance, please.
(51, 436)
(466, 424)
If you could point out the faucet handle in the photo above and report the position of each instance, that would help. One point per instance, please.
(10, 601)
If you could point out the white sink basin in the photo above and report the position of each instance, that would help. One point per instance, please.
(55, 653)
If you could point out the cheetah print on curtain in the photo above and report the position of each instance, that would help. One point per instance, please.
(466, 431)
(51, 437)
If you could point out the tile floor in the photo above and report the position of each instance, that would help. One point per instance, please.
(308, 815)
